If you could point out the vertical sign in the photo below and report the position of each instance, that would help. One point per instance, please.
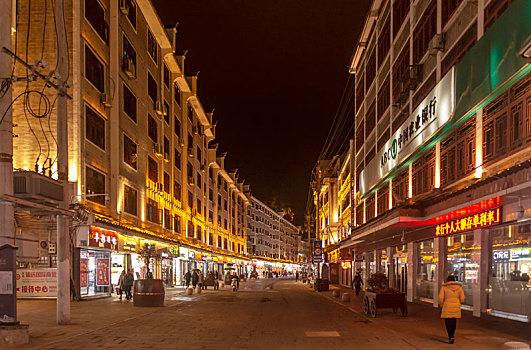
(83, 272)
(102, 272)
(317, 251)
(8, 297)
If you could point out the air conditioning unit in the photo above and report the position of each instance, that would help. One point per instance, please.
(124, 8)
(105, 100)
(129, 68)
(436, 44)
(157, 149)
(36, 187)
(159, 108)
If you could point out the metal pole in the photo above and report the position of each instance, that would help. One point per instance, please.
(63, 240)
(6, 128)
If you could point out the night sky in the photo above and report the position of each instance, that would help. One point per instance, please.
(274, 70)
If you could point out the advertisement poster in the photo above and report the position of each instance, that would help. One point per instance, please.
(102, 272)
(83, 269)
(37, 283)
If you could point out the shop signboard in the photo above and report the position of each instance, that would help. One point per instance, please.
(317, 251)
(431, 114)
(101, 238)
(520, 254)
(183, 252)
(37, 283)
(83, 272)
(486, 218)
(500, 255)
(129, 245)
(346, 265)
(102, 272)
(191, 255)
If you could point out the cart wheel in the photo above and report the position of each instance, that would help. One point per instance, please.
(404, 311)
(366, 305)
(373, 309)
(395, 309)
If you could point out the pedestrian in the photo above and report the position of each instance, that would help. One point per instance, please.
(187, 277)
(297, 276)
(451, 297)
(128, 283)
(121, 282)
(201, 280)
(357, 282)
(195, 278)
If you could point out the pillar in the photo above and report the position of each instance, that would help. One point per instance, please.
(439, 247)
(412, 266)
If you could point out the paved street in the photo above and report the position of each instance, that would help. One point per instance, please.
(264, 314)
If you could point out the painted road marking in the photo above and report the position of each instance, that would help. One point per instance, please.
(325, 334)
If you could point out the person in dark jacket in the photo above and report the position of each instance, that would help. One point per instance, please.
(195, 278)
(187, 277)
(357, 282)
(128, 283)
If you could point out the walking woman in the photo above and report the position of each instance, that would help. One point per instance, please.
(451, 297)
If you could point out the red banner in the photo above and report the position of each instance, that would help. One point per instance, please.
(102, 272)
(83, 269)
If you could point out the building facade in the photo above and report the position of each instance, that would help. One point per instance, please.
(440, 167)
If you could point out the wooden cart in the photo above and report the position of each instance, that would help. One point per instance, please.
(374, 301)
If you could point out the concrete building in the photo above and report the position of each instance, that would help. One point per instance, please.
(141, 160)
(441, 151)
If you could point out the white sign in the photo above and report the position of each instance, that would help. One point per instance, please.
(430, 115)
(37, 283)
(6, 282)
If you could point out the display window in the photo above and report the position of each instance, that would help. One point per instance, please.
(462, 263)
(427, 270)
(400, 268)
(509, 285)
(95, 272)
(382, 254)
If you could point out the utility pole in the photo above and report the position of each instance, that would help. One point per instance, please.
(63, 222)
(6, 127)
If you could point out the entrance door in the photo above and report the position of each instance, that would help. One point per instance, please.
(400, 281)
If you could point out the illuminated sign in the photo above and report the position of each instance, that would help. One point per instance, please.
(430, 115)
(520, 253)
(346, 264)
(129, 245)
(501, 255)
(101, 238)
(478, 220)
(468, 210)
(317, 251)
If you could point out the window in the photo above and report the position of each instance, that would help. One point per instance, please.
(425, 30)
(383, 97)
(177, 127)
(190, 172)
(464, 44)
(94, 70)
(153, 129)
(383, 200)
(152, 211)
(225, 242)
(370, 69)
(152, 46)
(225, 206)
(199, 233)
(167, 219)
(400, 11)
(190, 200)
(130, 200)
(153, 170)
(166, 76)
(199, 155)
(128, 57)
(448, 9)
(94, 128)
(131, 12)
(423, 173)
(177, 94)
(360, 94)
(166, 112)
(199, 180)
(494, 10)
(129, 103)
(190, 232)
(95, 15)
(177, 159)
(384, 42)
(152, 88)
(167, 182)
(401, 74)
(360, 136)
(130, 155)
(458, 153)
(177, 224)
(166, 148)
(400, 187)
(225, 224)
(199, 206)
(190, 113)
(371, 120)
(177, 190)
(95, 184)
(219, 242)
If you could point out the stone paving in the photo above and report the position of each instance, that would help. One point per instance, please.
(264, 314)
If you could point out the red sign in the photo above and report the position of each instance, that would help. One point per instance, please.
(83, 269)
(346, 264)
(37, 283)
(466, 211)
(101, 238)
(102, 272)
(484, 219)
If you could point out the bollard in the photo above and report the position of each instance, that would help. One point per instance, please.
(336, 293)
(346, 297)
(189, 291)
(515, 345)
(197, 290)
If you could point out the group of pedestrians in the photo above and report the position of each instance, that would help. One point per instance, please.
(125, 283)
(196, 277)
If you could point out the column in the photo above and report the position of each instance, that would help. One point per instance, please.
(390, 266)
(439, 246)
(412, 266)
(480, 256)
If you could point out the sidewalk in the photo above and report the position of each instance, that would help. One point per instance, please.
(424, 319)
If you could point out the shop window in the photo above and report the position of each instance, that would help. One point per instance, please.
(423, 173)
(400, 187)
(190, 232)
(177, 224)
(153, 170)
(360, 94)
(384, 41)
(128, 57)
(384, 98)
(424, 31)
(94, 127)
(360, 136)
(130, 154)
(461, 263)
(152, 211)
(94, 70)
(427, 269)
(383, 200)
(400, 12)
(153, 129)
(152, 46)
(177, 94)
(177, 191)
(130, 200)
(177, 159)
(494, 11)
(370, 118)
(369, 208)
(95, 15)
(152, 88)
(167, 182)
(95, 184)
(448, 9)
(370, 69)
(166, 76)
(131, 12)
(467, 40)
(129, 103)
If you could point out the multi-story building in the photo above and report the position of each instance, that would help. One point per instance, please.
(441, 160)
(140, 154)
(270, 235)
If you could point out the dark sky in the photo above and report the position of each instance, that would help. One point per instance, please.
(274, 70)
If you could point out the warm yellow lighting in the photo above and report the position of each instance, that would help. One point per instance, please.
(410, 182)
(390, 194)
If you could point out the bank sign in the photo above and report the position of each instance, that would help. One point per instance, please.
(430, 115)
